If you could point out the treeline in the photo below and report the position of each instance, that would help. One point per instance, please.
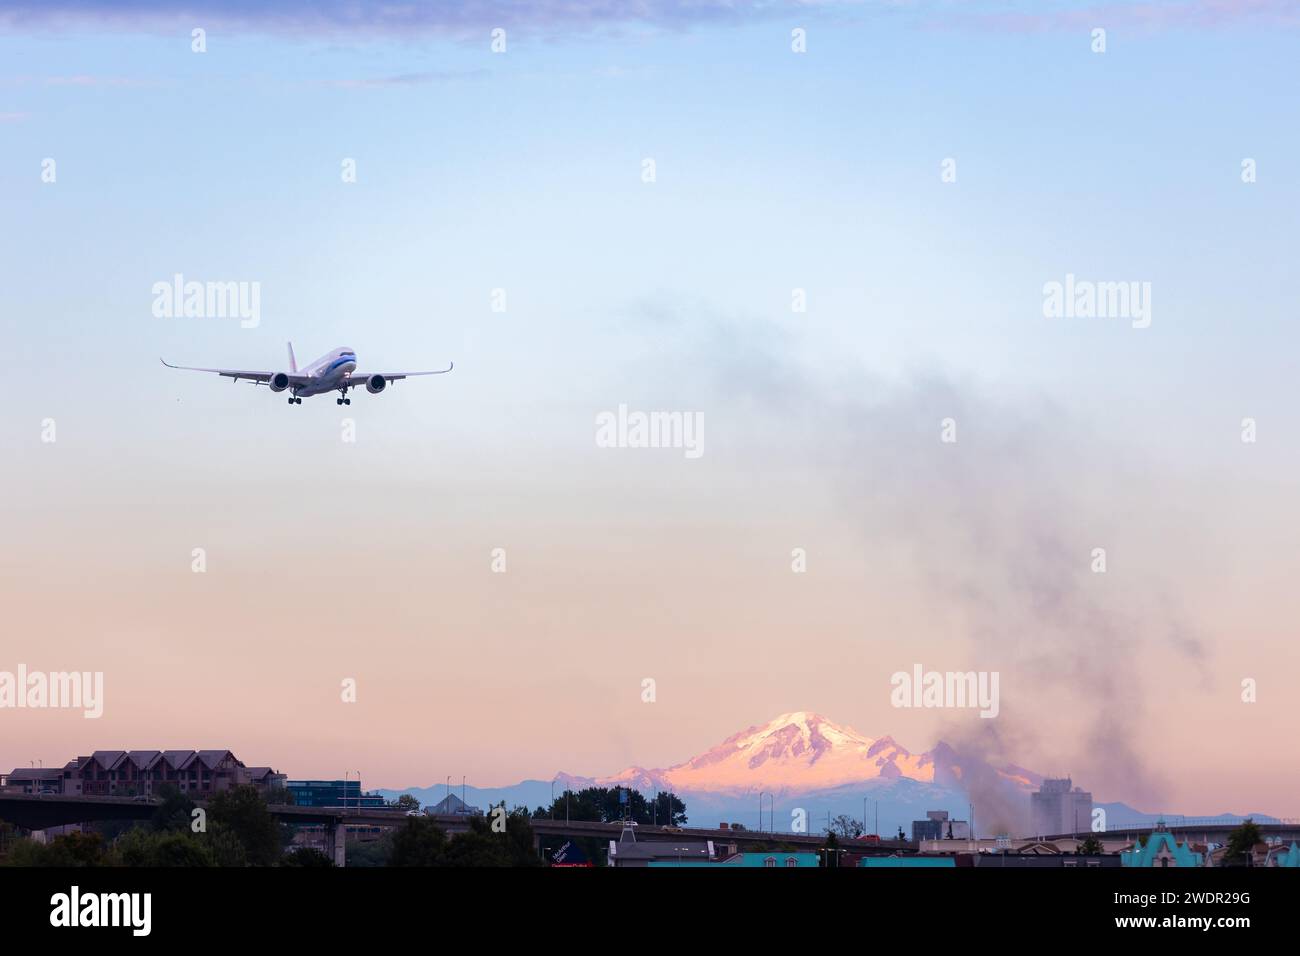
(612, 804)
(498, 839)
(237, 829)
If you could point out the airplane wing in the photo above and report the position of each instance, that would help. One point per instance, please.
(360, 377)
(237, 374)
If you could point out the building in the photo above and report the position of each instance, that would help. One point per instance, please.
(770, 860)
(332, 793)
(937, 826)
(627, 852)
(989, 846)
(1016, 861)
(1060, 807)
(35, 780)
(131, 773)
(1161, 850)
(906, 862)
(1271, 852)
(1289, 857)
(453, 804)
(265, 778)
(122, 773)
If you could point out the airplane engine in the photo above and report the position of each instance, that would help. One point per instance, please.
(279, 381)
(375, 384)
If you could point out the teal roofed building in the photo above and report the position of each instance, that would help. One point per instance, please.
(771, 859)
(909, 862)
(1289, 857)
(1162, 850)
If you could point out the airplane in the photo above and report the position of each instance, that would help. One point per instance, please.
(335, 371)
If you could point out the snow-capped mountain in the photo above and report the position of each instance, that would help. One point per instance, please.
(811, 765)
(808, 764)
(802, 752)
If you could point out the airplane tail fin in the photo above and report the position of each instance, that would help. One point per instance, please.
(293, 363)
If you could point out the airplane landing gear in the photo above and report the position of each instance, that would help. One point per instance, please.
(295, 401)
(344, 400)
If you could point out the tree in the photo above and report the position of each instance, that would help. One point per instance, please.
(666, 810)
(225, 845)
(79, 849)
(181, 849)
(421, 842)
(25, 851)
(483, 845)
(587, 804)
(405, 802)
(520, 838)
(1090, 847)
(845, 827)
(244, 813)
(146, 847)
(1241, 844)
(605, 805)
(71, 849)
(372, 852)
(831, 853)
(110, 830)
(174, 812)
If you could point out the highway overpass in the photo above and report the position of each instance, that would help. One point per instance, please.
(42, 811)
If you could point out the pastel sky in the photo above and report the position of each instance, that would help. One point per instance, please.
(775, 171)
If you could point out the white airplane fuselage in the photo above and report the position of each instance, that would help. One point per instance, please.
(328, 373)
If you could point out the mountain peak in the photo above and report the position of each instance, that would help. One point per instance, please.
(798, 750)
(798, 717)
(802, 752)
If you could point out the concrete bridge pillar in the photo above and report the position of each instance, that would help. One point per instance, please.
(336, 843)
